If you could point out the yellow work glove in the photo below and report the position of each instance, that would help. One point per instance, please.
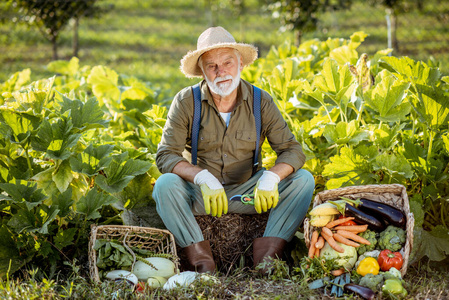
(214, 196)
(266, 195)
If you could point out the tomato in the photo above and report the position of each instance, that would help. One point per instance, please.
(347, 223)
(140, 287)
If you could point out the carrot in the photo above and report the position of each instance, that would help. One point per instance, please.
(327, 231)
(339, 238)
(330, 240)
(353, 236)
(320, 243)
(338, 272)
(313, 241)
(317, 252)
(353, 228)
(338, 222)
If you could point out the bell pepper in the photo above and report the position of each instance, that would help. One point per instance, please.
(388, 259)
(368, 265)
(393, 289)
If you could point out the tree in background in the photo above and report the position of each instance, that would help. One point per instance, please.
(393, 8)
(51, 16)
(302, 15)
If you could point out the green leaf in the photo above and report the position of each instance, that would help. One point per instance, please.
(92, 202)
(395, 167)
(433, 244)
(445, 79)
(417, 209)
(348, 168)
(16, 81)
(20, 125)
(344, 133)
(10, 259)
(33, 98)
(92, 159)
(65, 237)
(387, 97)
(432, 105)
(357, 38)
(386, 136)
(344, 54)
(104, 83)
(120, 172)
(62, 176)
(24, 192)
(84, 115)
(63, 202)
(56, 139)
(336, 82)
(409, 70)
(45, 181)
(36, 220)
(64, 67)
(137, 193)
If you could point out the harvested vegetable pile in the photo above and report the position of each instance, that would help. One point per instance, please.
(362, 238)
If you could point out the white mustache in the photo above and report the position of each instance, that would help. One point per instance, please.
(218, 79)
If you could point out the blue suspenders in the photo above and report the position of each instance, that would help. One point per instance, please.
(197, 121)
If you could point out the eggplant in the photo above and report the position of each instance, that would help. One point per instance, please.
(360, 217)
(383, 211)
(362, 291)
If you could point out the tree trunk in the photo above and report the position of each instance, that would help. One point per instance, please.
(54, 44)
(394, 26)
(75, 44)
(209, 13)
(298, 38)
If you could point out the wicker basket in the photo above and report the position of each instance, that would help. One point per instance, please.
(393, 194)
(153, 239)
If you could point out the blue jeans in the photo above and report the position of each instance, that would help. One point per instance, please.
(178, 201)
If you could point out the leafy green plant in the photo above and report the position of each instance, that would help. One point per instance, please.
(67, 160)
(366, 120)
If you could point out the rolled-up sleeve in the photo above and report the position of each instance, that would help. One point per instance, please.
(176, 132)
(279, 135)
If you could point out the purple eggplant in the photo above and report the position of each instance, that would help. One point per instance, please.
(347, 210)
(383, 211)
(362, 291)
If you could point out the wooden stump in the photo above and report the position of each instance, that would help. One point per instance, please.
(231, 237)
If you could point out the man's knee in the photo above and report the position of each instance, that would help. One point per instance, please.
(303, 179)
(166, 184)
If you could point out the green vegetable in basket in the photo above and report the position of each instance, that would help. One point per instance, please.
(372, 281)
(393, 289)
(369, 235)
(392, 238)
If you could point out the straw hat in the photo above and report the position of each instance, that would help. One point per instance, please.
(213, 38)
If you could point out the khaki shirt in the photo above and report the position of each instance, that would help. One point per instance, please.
(227, 152)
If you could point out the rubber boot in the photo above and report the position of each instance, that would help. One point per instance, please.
(265, 249)
(200, 257)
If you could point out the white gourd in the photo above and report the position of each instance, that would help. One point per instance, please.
(165, 268)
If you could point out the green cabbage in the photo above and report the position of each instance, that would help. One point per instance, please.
(346, 259)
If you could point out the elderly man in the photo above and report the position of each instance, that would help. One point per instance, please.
(200, 181)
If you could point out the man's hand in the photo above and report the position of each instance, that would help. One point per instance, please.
(266, 195)
(214, 196)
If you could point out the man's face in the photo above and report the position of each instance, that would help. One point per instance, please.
(221, 69)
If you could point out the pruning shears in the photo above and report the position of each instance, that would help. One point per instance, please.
(247, 199)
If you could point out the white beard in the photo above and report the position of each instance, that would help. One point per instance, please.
(224, 89)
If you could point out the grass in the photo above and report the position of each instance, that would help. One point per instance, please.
(422, 282)
(147, 39)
